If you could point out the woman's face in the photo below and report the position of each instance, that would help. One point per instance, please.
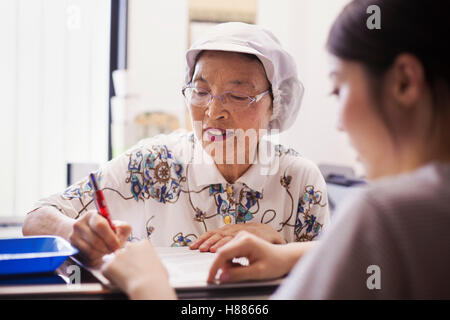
(217, 72)
(359, 118)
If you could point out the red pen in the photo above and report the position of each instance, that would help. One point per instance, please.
(100, 202)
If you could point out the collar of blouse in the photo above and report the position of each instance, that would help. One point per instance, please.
(203, 170)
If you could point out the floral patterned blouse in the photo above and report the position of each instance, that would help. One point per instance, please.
(171, 199)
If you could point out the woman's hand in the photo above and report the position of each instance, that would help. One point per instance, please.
(93, 236)
(139, 272)
(214, 239)
(266, 260)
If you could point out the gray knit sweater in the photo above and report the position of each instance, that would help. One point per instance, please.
(391, 240)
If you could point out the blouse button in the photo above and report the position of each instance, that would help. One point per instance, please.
(227, 219)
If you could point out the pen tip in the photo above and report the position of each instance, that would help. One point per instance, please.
(93, 181)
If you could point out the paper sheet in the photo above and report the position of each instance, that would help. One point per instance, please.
(189, 269)
(186, 268)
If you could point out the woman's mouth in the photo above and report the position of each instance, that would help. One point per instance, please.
(217, 134)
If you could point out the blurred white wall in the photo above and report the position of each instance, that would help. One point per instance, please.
(157, 41)
(54, 89)
(302, 27)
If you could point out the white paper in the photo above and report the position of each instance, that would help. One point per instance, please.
(186, 268)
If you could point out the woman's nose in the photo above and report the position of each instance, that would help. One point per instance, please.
(216, 110)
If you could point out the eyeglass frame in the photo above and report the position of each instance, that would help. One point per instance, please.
(252, 99)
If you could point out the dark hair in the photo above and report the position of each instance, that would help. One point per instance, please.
(420, 28)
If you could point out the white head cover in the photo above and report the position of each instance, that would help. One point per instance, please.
(280, 67)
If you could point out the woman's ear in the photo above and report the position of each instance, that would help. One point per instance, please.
(407, 80)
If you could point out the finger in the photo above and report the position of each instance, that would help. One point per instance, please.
(239, 236)
(87, 254)
(95, 242)
(211, 241)
(238, 273)
(144, 245)
(107, 269)
(112, 270)
(100, 226)
(123, 230)
(196, 244)
(225, 255)
(242, 234)
(220, 243)
(82, 230)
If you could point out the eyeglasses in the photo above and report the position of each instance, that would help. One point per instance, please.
(232, 100)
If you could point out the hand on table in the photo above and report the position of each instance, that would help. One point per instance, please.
(139, 272)
(266, 260)
(93, 236)
(214, 239)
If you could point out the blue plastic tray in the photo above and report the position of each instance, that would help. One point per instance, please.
(33, 254)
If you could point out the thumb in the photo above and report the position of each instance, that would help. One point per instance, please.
(123, 230)
(238, 273)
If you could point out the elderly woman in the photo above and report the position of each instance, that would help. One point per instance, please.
(200, 189)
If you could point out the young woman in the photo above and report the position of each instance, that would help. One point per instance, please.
(392, 240)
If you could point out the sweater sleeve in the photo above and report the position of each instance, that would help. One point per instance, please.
(356, 259)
